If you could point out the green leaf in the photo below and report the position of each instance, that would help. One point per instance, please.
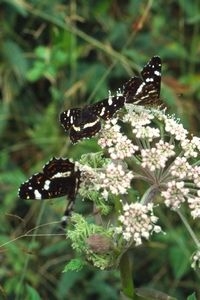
(32, 294)
(75, 264)
(192, 297)
(15, 57)
(19, 6)
(179, 261)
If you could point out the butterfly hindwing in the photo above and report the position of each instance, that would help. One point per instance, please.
(85, 122)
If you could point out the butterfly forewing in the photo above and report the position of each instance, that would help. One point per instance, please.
(59, 178)
(106, 108)
(70, 117)
(145, 90)
(151, 73)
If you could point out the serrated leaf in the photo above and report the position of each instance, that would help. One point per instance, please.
(74, 265)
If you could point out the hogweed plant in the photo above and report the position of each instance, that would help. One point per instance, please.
(145, 145)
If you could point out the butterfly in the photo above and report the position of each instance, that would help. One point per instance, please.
(86, 122)
(145, 90)
(58, 178)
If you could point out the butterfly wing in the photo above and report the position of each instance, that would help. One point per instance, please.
(57, 179)
(145, 90)
(70, 117)
(106, 108)
(90, 123)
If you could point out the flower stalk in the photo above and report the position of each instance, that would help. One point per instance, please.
(126, 272)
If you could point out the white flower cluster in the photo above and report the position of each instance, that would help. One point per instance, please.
(138, 118)
(180, 167)
(191, 147)
(194, 205)
(137, 222)
(119, 146)
(115, 179)
(175, 129)
(159, 151)
(157, 156)
(175, 194)
(165, 154)
(146, 132)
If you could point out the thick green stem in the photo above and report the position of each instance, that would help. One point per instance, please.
(126, 276)
(126, 273)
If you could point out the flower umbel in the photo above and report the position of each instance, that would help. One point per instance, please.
(116, 179)
(137, 222)
(145, 146)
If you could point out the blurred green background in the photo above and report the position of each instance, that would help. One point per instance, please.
(60, 54)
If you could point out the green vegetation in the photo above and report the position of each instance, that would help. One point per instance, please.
(60, 54)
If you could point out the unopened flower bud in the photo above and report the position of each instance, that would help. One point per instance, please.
(99, 243)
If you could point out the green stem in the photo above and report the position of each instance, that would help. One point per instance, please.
(187, 225)
(126, 276)
(149, 195)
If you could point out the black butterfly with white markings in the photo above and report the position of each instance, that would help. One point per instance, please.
(86, 122)
(59, 178)
(145, 90)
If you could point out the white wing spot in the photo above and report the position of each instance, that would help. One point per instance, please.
(102, 111)
(61, 174)
(110, 100)
(149, 79)
(157, 73)
(140, 88)
(37, 195)
(91, 124)
(47, 184)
